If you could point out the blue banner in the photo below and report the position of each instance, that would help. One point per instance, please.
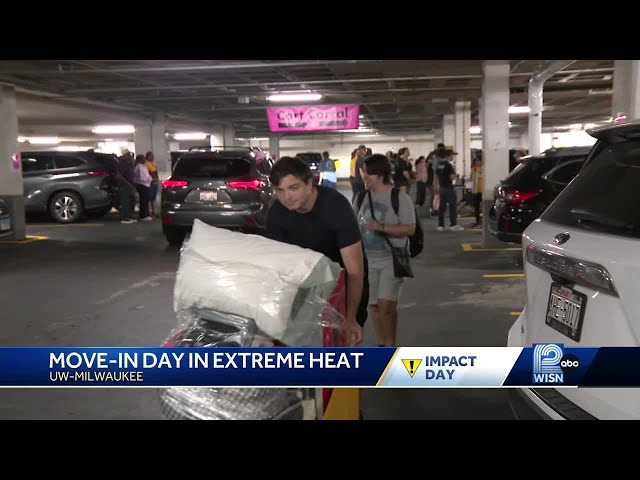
(412, 367)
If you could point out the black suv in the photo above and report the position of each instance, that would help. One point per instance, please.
(224, 188)
(313, 159)
(69, 185)
(530, 188)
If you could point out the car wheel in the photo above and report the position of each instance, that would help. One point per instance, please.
(174, 236)
(66, 207)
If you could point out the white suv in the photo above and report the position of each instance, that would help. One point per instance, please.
(582, 263)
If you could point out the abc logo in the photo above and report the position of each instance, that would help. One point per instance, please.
(569, 363)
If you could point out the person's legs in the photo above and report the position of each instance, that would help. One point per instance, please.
(374, 311)
(453, 210)
(143, 194)
(477, 201)
(124, 192)
(388, 293)
(153, 193)
(421, 193)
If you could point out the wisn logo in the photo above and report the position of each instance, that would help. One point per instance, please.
(549, 363)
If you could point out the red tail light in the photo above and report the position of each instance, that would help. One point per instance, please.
(174, 183)
(518, 197)
(250, 184)
(98, 174)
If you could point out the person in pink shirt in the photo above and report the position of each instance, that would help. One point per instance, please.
(421, 180)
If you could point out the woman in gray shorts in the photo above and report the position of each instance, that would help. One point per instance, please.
(384, 287)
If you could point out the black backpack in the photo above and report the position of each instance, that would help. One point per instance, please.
(416, 241)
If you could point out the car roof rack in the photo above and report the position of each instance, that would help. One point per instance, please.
(214, 148)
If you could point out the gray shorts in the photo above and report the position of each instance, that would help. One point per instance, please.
(383, 283)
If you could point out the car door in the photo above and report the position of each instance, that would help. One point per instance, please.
(554, 181)
(37, 169)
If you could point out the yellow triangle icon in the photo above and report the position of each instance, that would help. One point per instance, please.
(411, 365)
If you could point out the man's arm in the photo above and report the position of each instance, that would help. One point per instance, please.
(273, 229)
(354, 265)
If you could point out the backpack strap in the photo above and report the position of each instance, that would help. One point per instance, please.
(360, 199)
(395, 200)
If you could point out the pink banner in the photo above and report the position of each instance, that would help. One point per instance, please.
(313, 118)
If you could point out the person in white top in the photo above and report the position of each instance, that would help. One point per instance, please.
(142, 179)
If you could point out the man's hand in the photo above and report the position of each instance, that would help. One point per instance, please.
(353, 333)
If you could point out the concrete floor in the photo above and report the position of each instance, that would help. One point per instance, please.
(104, 283)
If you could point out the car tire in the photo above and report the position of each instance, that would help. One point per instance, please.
(175, 236)
(66, 207)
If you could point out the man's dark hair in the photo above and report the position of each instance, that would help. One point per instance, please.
(378, 164)
(325, 154)
(290, 166)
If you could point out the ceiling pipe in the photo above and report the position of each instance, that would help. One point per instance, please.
(536, 84)
(184, 68)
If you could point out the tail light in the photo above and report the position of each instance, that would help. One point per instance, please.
(174, 183)
(518, 197)
(581, 272)
(99, 173)
(249, 184)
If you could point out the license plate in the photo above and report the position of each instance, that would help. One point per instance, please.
(565, 310)
(208, 196)
(5, 224)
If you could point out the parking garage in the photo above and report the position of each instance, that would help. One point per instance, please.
(90, 279)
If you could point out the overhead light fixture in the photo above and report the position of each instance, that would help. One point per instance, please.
(44, 140)
(575, 126)
(21, 139)
(587, 126)
(108, 129)
(294, 97)
(190, 136)
(475, 130)
(513, 109)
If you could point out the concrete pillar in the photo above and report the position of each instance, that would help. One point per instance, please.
(524, 140)
(458, 143)
(462, 143)
(467, 139)
(160, 145)
(11, 188)
(626, 89)
(438, 137)
(229, 136)
(495, 134)
(142, 137)
(449, 129)
(216, 139)
(274, 146)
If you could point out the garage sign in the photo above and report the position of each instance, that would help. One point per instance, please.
(313, 118)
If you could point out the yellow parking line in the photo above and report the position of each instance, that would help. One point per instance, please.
(515, 314)
(28, 239)
(35, 225)
(470, 247)
(503, 275)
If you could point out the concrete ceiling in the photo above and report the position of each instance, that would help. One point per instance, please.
(68, 97)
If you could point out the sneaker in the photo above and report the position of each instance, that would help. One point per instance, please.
(456, 228)
(440, 229)
(146, 219)
(128, 221)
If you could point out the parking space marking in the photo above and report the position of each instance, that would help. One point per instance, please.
(27, 239)
(51, 225)
(515, 314)
(476, 247)
(503, 275)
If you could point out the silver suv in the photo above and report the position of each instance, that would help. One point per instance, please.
(582, 263)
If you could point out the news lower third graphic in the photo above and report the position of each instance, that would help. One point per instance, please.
(541, 365)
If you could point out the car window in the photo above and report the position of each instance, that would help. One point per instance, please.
(67, 161)
(37, 163)
(211, 167)
(606, 187)
(528, 174)
(566, 172)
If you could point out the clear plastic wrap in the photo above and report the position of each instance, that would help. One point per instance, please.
(237, 290)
